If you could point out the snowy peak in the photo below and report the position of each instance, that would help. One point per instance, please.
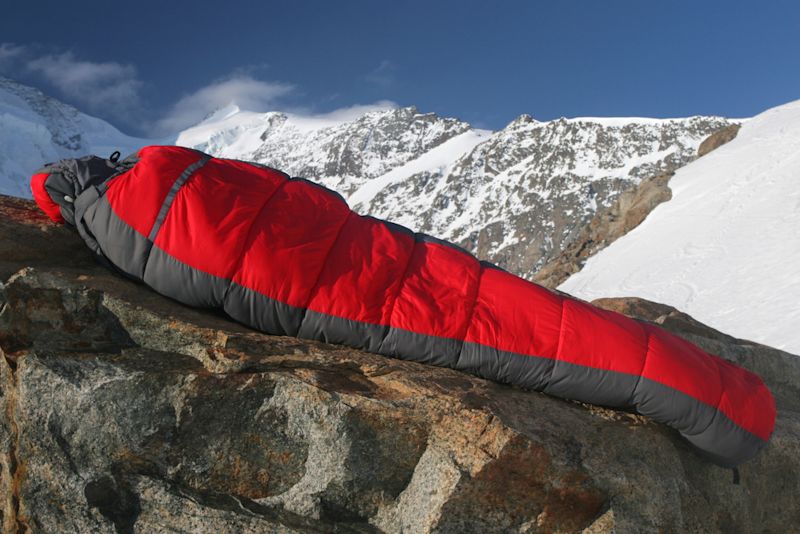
(338, 150)
(35, 128)
(725, 248)
(517, 196)
(220, 114)
(61, 120)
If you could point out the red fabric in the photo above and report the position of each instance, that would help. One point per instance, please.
(366, 265)
(42, 198)
(137, 195)
(617, 343)
(209, 220)
(516, 316)
(291, 238)
(437, 292)
(300, 244)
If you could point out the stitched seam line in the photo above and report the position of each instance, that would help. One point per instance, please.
(246, 242)
(173, 192)
(560, 342)
(322, 268)
(399, 290)
(463, 335)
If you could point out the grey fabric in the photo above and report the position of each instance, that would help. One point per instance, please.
(262, 313)
(587, 384)
(122, 245)
(330, 329)
(177, 280)
(85, 201)
(416, 347)
(530, 372)
(701, 424)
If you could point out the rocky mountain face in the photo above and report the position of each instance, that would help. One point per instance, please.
(35, 129)
(607, 225)
(123, 411)
(517, 197)
(340, 155)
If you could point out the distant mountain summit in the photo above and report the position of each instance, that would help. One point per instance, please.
(517, 197)
(35, 128)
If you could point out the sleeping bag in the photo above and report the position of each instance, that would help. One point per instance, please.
(288, 257)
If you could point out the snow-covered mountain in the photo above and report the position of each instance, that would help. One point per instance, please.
(35, 128)
(343, 153)
(726, 247)
(516, 196)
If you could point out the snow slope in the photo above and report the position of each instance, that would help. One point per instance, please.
(726, 248)
(36, 129)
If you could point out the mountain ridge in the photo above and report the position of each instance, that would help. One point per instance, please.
(517, 197)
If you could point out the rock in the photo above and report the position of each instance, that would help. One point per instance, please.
(607, 225)
(124, 411)
(717, 139)
(627, 211)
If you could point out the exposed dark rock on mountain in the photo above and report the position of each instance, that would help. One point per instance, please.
(625, 213)
(123, 411)
(520, 197)
(606, 226)
(717, 139)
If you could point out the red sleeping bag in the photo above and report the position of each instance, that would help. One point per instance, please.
(288, 257)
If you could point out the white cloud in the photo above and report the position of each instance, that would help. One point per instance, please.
(98, 85)
(113, 89)
(353, 112)
(313, 121)
(383, 75)
(10, 54)
(242, 89)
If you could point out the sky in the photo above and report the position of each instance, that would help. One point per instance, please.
(156, 67)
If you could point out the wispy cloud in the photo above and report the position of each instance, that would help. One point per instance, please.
(383, 75)
(350, 113)
(240, 89)
(114, 90)
(10, 54)
(97, 85)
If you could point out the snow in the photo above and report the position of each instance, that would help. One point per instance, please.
(726, 248)
(36, 129)
(438, 159)
(625, 121)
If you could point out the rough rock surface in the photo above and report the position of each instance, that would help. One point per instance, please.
(627, 212)
(124, 411)
(522, 196)
(717, 139)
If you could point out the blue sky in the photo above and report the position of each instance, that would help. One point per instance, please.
(154, 66)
